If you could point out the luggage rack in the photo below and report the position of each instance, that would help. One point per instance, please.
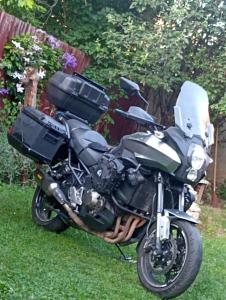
(69, 116)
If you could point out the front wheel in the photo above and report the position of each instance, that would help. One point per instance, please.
(169, 273)
(46, 212)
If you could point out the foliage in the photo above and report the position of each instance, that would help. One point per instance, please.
(221, 191)
(9, 112)
(28, 10)
(22, 53)
(159, 44)
(26, 4)
(14, 168)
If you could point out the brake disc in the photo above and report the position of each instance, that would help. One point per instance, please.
(163, 263)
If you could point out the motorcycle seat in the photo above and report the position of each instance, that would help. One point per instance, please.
(88, 144)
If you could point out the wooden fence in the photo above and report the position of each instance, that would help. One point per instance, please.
(11, 26)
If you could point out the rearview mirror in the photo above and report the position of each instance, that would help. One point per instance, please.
(130, 87)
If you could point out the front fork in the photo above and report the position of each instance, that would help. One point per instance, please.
(163, 218)
(159, 211)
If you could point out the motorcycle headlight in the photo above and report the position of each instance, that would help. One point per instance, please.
(198, 157)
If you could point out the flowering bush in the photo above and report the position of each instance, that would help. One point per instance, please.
(39, 52)
(4, 91)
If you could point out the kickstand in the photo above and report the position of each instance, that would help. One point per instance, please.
(124, 256)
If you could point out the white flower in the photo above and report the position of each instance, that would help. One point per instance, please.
(18, 75)
(36, 48)
(29, 53)
(27, 59)
(35, 38)
(19, 88)
(17, 45)
(41, 74)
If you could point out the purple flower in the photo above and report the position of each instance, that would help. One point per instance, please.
(54, 44)
(4, 91)
(70, 61)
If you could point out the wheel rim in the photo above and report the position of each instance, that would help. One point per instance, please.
(45, 207)
(163, 271)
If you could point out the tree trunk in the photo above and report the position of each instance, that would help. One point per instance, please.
(161, 104)
(31, 87)
(30, 99)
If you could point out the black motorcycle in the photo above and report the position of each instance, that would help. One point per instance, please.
(136, 192)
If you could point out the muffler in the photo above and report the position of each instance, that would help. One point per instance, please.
(51, 188)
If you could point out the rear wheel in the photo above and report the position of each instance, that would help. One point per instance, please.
(45, 212)
(170, 273)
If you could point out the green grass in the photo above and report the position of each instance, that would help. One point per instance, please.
(36, 264)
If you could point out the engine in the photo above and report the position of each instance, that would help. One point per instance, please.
(107, 174)
(92, 201)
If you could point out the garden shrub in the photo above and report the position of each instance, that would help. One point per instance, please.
(14, 168)
(21, 55)
(221, 191)
(41, 52)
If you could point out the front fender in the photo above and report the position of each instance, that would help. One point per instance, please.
(180, 215)
(171, 214)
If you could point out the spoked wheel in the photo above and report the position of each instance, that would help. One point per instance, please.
(45, 212)
(169, 273)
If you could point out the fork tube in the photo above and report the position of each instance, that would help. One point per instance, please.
(159, 210)
(181, 201)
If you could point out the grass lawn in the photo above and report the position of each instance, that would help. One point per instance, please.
(36, 264)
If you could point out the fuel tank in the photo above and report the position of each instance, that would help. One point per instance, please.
(150, 151)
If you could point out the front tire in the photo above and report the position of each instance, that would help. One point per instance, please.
(45, 212)
(169, 275)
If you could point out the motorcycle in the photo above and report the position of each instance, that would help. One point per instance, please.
(136, 192)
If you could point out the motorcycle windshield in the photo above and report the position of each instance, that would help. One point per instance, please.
(192, 112)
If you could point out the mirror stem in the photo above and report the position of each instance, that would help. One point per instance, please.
(143, 99)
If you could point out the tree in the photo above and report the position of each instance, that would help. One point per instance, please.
(27, 4)
(26, 10)
(159, 44)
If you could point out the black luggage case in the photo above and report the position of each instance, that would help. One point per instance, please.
(78, 95)
(38, 136)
